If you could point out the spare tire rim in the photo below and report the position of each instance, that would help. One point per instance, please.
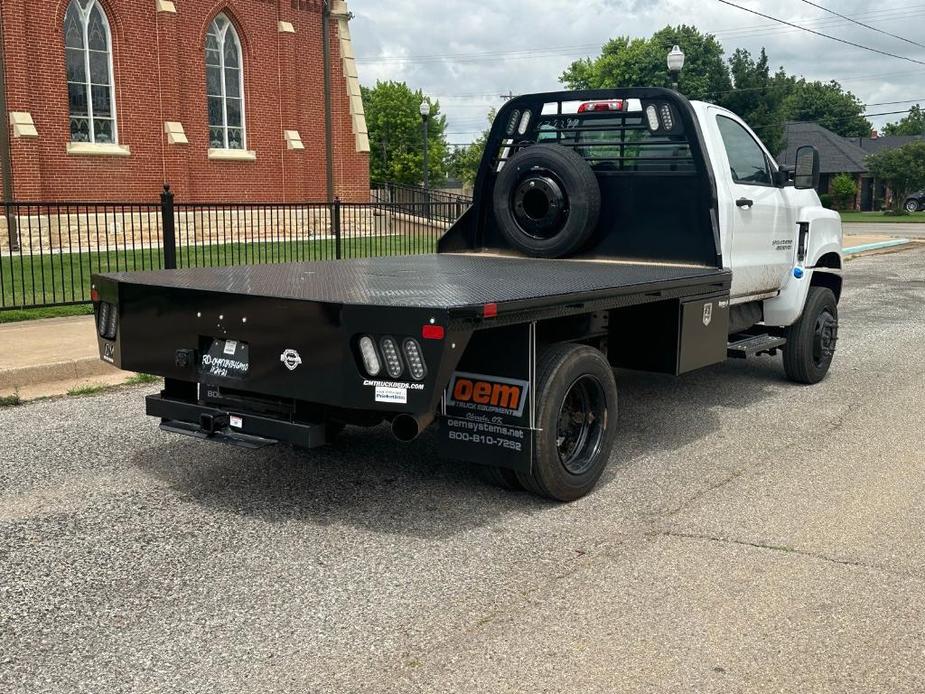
(581, 424)
(825, 337)
(540, 205)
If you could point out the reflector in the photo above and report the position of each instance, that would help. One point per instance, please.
(433, 332)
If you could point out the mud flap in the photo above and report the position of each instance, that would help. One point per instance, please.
(489, 405)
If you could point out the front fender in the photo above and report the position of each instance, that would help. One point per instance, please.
(823, 244)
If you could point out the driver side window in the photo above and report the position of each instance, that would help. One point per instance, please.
(747, 161)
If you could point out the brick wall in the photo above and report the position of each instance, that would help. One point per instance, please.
(159, 66)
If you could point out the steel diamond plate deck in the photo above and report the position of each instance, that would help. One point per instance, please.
(450, 281)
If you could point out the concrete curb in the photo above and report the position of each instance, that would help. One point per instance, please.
(877, 246)
(50, 373)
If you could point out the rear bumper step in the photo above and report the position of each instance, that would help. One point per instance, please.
(213, 424)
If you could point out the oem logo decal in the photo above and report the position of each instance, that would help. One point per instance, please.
(109, 352)
(707, 314)
(488, 394)
(291, 359)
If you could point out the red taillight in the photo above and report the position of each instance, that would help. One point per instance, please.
(433, 332)
(94, 296)
(597, 106)
(490, 310)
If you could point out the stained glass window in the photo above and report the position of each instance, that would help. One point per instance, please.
(88, 49)
(225, 85)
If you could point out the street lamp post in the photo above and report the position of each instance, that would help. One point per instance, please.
(425, 119)
(675, 65)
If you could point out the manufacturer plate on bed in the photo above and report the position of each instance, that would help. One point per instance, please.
(225, 359)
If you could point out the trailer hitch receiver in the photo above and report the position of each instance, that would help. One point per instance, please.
(213, 423)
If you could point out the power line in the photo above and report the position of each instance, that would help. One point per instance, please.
(819, 33)
(888, 113)
(866, 26)
(526, 54)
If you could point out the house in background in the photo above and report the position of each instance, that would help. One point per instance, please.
(109, 99)
(842, 155)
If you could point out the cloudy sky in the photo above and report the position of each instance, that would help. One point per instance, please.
(468, 53)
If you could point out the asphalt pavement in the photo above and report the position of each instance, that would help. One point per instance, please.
(749, 535)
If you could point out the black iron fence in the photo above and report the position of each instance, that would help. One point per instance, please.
(48, 251)
(443, 205)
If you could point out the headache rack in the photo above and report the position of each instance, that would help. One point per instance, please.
(639, 136)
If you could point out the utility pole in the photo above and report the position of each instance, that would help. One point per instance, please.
(508, 96)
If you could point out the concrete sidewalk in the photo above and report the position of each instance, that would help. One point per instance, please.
(52, 356)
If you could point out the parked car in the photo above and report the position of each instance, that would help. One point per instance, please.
(915, 202)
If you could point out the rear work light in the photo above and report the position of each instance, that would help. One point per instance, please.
(599, 106)
(667, 117)
(415, 359)
(393, 364)
(370, 356)
(652, 117)
(107, 321)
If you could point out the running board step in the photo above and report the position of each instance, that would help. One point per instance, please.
(755, 345)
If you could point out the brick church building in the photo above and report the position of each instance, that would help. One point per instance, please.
(107, 100)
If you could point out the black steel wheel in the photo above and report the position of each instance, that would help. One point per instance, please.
(580, 426)
(811, 341)
(547, 201)
(576, 415)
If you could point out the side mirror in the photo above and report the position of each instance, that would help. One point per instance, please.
(806, 171)
(783, 176)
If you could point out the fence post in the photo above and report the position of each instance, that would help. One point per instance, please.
(335, 221)
(169, 229)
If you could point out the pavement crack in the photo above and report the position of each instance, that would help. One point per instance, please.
(791, 550)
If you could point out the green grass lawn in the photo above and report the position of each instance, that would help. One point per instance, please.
(879, 217)
(29, 281)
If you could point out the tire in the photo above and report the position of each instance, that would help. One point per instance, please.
(570, 454)
(812, 339)
(911, 205)
(547, 201)
(502, 477)
(332, 430)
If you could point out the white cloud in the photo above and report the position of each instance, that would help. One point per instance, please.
(468, 53)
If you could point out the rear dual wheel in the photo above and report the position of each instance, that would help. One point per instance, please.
(576, 416)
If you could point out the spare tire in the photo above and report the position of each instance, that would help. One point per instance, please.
(547, 201)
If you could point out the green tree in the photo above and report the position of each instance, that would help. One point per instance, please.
(464, 162)
(902, 169)
(844, 191)
(629, 62)
(912, 124)
(759, 97)
(396, 137)
(827, 104)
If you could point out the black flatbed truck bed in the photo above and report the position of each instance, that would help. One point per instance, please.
(461, 284)
(316, 310)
